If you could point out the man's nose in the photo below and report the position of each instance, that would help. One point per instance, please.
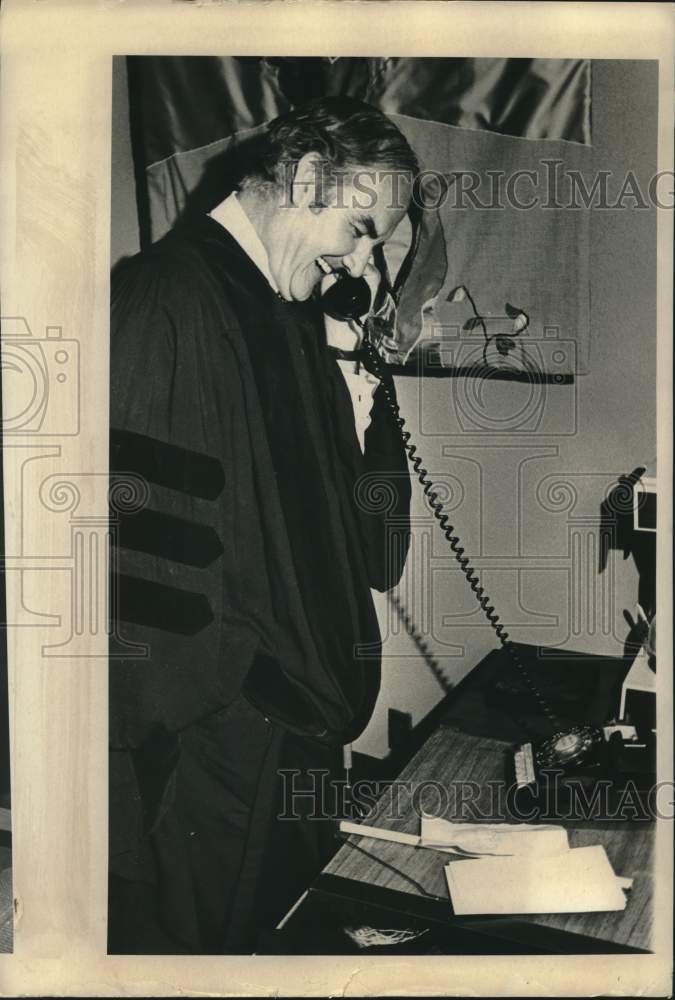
(357, 261)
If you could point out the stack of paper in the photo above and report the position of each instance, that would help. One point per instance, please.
(579, 880)
(514, 868)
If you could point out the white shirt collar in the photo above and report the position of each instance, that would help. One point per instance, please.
(232, 217)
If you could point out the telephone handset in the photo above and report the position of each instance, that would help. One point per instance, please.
(348, 299)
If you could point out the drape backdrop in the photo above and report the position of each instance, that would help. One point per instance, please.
(502, 272)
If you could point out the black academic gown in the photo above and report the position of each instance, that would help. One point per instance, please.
(247, 528)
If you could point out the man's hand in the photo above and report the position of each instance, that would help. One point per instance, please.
(347, 335)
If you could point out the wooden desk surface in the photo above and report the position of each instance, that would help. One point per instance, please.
(449, 756)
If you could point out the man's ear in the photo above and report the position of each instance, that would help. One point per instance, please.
(307, 188)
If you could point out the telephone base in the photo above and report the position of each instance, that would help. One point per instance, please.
(523, 766)
(616, 782)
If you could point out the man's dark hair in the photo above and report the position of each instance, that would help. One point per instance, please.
(345, 132)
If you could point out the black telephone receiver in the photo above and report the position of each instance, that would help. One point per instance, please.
(348, 299)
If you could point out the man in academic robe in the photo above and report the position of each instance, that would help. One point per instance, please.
(259, 491)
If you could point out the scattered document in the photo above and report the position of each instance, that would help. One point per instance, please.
(379, 833)
(471, 839)
(580, 880)
(492, 838)
(514, 868)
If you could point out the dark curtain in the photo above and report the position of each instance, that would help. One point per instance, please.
(194, 121)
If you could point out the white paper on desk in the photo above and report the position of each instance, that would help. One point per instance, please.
(492, 838)
(579, 881)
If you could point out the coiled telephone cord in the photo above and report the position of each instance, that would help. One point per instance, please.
(419, 640)
(436, 505)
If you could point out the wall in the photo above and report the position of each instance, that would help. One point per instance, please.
(532, 500)
(526, 504)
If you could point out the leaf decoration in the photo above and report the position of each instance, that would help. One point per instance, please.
(457, 294)
(472, 323)
(504, 344)
(520, 318)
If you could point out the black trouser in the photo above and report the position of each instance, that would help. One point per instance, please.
(221, 866)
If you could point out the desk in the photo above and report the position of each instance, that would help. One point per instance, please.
(451, 755)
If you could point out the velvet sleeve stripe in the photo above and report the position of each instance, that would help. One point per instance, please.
(190, 472)
(158, 606)
(168, 537)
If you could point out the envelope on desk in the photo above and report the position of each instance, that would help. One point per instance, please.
(581, 880)
(492, 838)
